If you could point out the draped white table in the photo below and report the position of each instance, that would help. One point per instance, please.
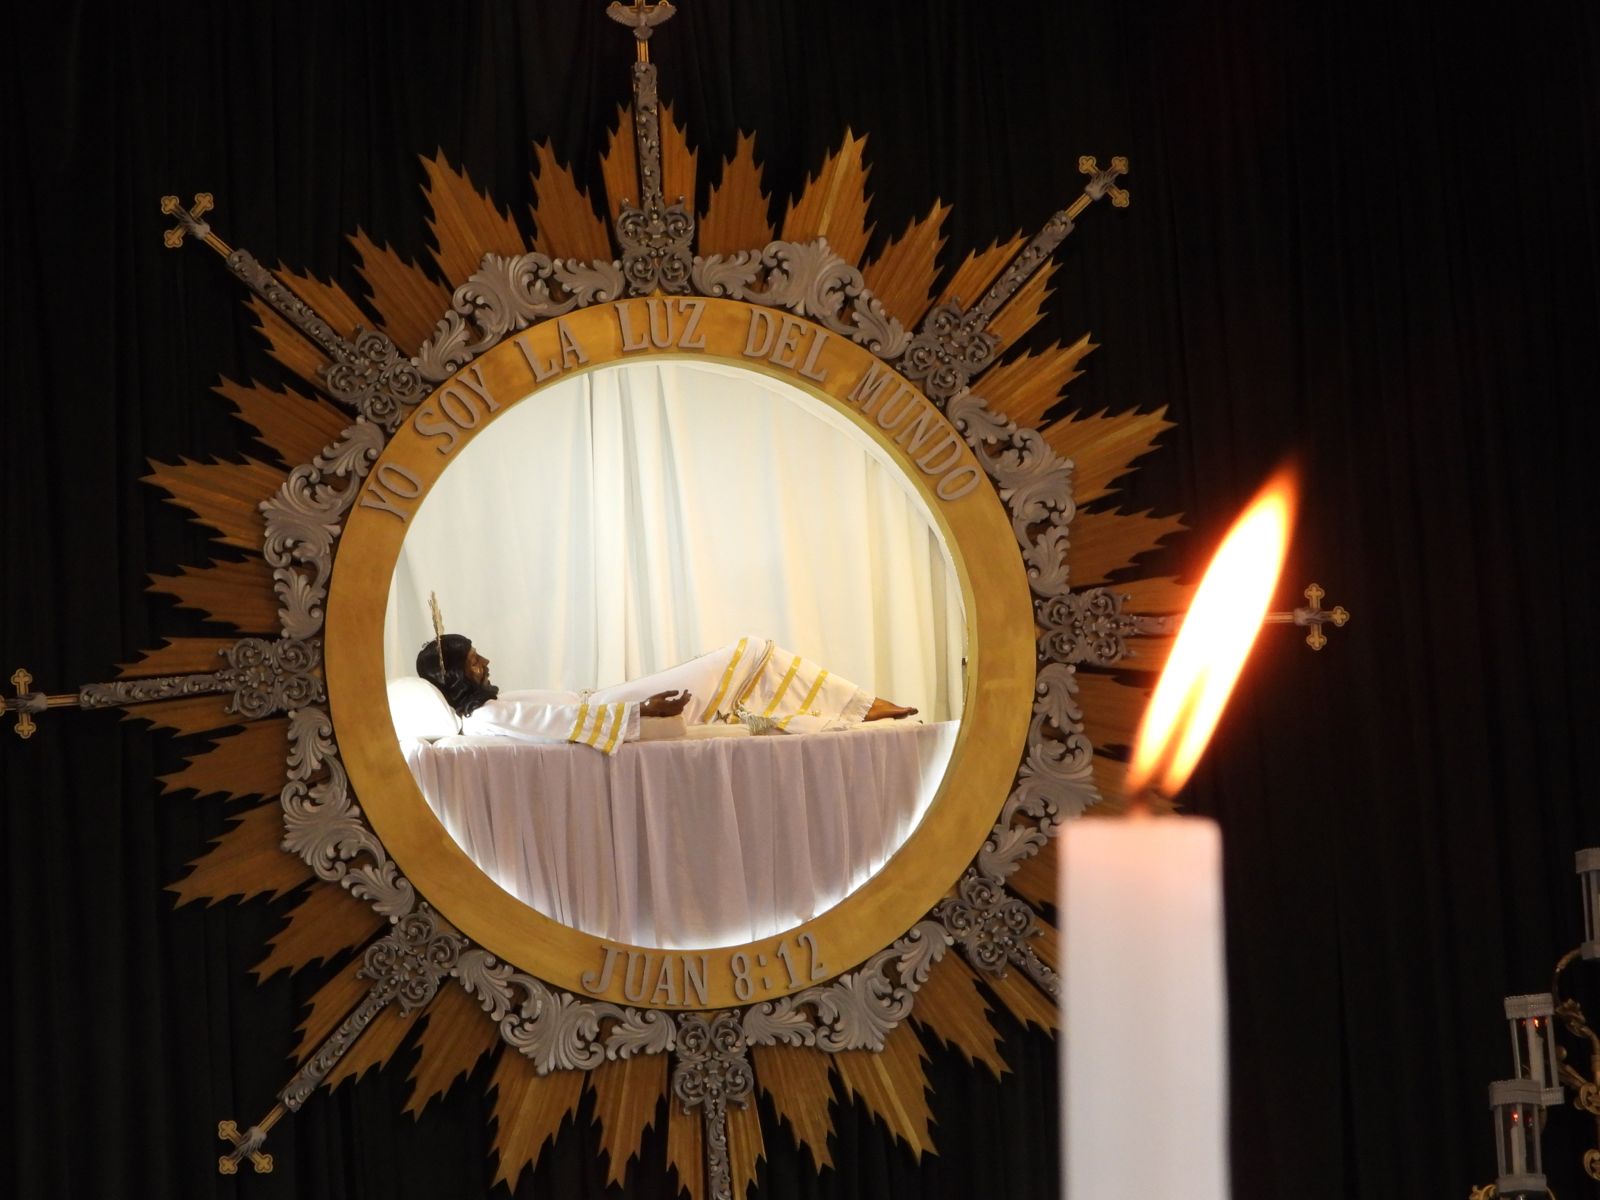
(690, 843)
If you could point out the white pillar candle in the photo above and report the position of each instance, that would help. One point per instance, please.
(1145, 1039)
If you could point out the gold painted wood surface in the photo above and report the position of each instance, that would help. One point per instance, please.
(189, 715)
(686, 1150)
(404, 295)
(1104, 448)
(976, 271)
(952, 1008)
(238, 594)
(529, 1109)
(248, 763)
(1103, 542)
(1027, 385)
(736, 211)
(328, 299)
(330, 1005)
(798, 1082)
(893, 1086)
(746, 1149)
(1022, 312)
(565, 222)
(286, 344)
(327, 922)
(1111, 709)
(619, 163)
(248, 860)
(373, 1048)
(178, 656)
(222, 496)
(903, 275)
(1026, 1002)
(833, 203)
(296, 426)
(466, 224)
(1036, 876)
(454, 1037)
(678, 162)
(628, 1094)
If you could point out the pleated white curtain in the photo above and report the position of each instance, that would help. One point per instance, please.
(633, 517)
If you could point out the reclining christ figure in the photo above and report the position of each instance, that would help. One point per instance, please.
(751, 676)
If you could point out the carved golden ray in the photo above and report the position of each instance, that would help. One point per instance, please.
(1165, 595)
(177, 656)
(330, 1005)
(1111, 709)
(330, 300)
(736, 216)
(528, 1110)
(295, 426)
(325, 923)
(245, 862)
(235, 593)
(189, 715)
(1104, 448)
(464, 222)
(222, 496)
(1026, 386)
(408, 300)
(1022, 312)
(893, 1086)
(833, 203)
(627, 1093)
(951, 1007)
(619, 164)
(373, 1048)
(904, 274)
(565, 223)
(746, 1149)
(797, 1081)
(976, 271)
(247, 763)
(1147, 654)
(452, 1041)
(686, 1150)
(1103, 542)
(1026, 1002)
(286, 345)
(678, 162)
(1047, 945)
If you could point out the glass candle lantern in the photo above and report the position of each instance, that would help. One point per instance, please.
(1589, 876)
(1518, 1121)
(1533, 1043)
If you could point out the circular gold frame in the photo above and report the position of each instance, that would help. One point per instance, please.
(1000, 641)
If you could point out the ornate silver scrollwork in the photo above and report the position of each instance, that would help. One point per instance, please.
(809, 280)
(406, 966)
(949, 349)
(994, 929)
(507, 293)
(657, 238)
(857, 1010)
(370, 375)
(264, 676)
(712, 1072)
(1091, 627)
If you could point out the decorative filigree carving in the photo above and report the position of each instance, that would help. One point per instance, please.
(264, 676)
(809, 280)
(949, 349)
(657, 238)
(557, 1030)
(370, 375)
(713, 1071)
(994, 928)
(855, 1011)
(508, 293)
(405, 966)
(1091, 627)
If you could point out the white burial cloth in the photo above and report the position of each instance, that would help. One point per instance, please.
(685, 844)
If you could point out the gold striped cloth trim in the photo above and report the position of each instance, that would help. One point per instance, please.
(727, 678)
(783, 687)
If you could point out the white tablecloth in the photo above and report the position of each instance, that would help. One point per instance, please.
(685, 844)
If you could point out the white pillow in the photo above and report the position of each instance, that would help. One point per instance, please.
(420, 710)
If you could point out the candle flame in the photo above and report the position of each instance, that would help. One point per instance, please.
(1213, 643)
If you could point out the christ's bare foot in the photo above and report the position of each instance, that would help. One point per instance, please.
(883, 710)
(664, 704)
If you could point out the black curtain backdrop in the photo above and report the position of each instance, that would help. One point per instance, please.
(1362, 238)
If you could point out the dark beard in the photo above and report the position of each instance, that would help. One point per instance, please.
(475, 697)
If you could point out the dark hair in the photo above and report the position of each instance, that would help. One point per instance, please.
(462, 694)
